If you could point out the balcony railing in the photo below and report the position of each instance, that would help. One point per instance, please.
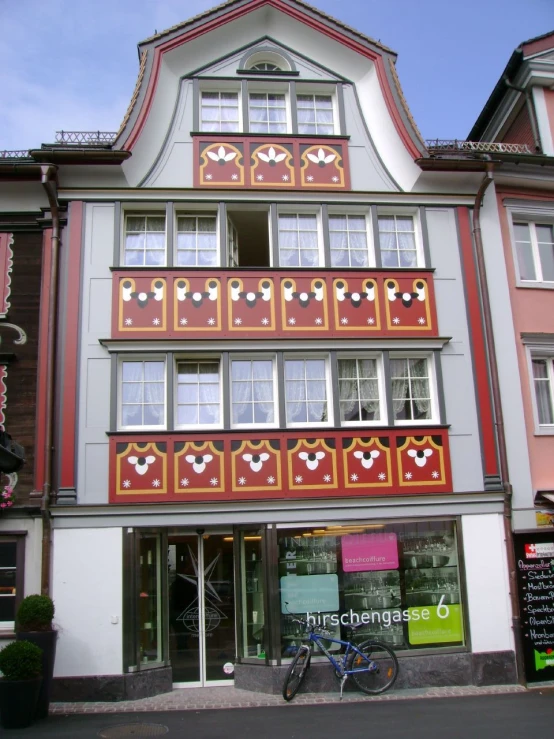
(456, 146)
(15, 154)
(238, 465)
(86, 138)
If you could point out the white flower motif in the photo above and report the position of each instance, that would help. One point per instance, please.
(213, 481)
(396, 320)
(408, 475)
(128, 321)
(311, 458)
(371, 321)
(126, 483)
(141, 464)
(344, 321)
(335, 178)
(184, 321)
(156, 483)
(184, 482)
(310, 178)
(260, 177)
(435, 474)
(420, 457)
(285, 178)
(326, 478)
(321, 159)
(271, 480)
(272, 158)
(421, 321)
(354, 477)
(222, 156)
(156, 321)
(209, 177)
(234, 176)
(242, 480)
(292, 321)
(298, 479)
(211, 321)
(367, 458)
(256, 461)
(198, 461)
(238, 321)
(265, 321)
(382, 476)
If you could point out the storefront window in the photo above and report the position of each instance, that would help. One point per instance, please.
(252, 588)
(400, 580)
(150, 599)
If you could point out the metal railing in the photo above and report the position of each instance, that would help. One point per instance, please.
(88, 138)
(15, 154)
(457, 146)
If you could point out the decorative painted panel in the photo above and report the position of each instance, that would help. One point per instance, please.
(6, 263)
(3, 394)
(229, 303)
(271, 162)
(241, 466)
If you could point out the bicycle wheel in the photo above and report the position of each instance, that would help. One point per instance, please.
(296, 673)
(375, 669)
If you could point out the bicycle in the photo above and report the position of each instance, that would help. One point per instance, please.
(372, 665)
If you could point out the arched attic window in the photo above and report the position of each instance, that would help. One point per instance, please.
(266, 60)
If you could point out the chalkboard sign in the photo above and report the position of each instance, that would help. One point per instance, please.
(535, 575)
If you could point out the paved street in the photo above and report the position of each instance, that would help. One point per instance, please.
(489, 716)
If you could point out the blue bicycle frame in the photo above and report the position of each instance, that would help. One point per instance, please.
(340, 667)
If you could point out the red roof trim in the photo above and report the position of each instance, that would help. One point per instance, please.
(297, 15)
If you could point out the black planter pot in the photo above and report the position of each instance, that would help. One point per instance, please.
(46, 640)
(18, 701)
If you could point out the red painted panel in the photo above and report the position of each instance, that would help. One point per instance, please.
(70, 338)
(166, 468)
(6, 263)
(478, 345)
(229, 304)
(270, 163)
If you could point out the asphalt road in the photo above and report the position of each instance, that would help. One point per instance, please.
(484, 717)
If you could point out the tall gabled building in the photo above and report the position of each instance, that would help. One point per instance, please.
(274, 395)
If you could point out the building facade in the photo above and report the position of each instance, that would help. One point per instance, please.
(273, 394)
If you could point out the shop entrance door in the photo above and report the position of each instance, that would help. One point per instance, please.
(201, 608)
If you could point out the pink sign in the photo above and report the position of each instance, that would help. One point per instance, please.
(365, 552)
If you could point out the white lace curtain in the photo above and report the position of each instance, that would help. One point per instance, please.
(364, 389)
(410, 374)
(143, 391)
(252, 385)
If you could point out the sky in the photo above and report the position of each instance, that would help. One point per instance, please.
(73, 64)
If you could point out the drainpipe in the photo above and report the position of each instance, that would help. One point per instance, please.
(48, 179)
(498, 418)
(530, 110)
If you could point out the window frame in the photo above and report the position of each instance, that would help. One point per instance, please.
(211, 86)
(536, 350)
(365, 212)
(256, 87)
(327, 91)
(275, 379)
(533, 216)
(328, 389)
(413, 213)
(199, 359)
(140, 358)
(316, 211)
(143, 212)
(381, 385)
(434, 418)
(17, 537)
(197, 212)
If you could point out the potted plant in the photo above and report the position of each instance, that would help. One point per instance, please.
(33, 622)
(21, 667)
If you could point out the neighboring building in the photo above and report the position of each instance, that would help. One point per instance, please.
(273, 386)
(520, 111)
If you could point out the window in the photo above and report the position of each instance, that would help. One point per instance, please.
(252, 392)
(534, 244)
(198, 393)
(142, 393)
(315, 114)
(359, 390)
(397, 240)
(411, 389)
(348, 239)
(265, 67)
(306, 391)
(197, 242)
(267, 112)
(298, 240)
(144, 240)
(8, 587)
(542, 378)
(220, 112)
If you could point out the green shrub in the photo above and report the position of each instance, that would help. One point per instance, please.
(21, 660)
(35, 613)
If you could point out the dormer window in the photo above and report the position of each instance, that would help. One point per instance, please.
(266, 60)
(265, 67)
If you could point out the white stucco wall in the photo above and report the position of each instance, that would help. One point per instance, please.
(87, 592)
(487, 582)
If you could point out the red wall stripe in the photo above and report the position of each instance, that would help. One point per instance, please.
(478, 344)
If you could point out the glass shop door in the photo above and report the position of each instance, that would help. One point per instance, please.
(201, 608)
